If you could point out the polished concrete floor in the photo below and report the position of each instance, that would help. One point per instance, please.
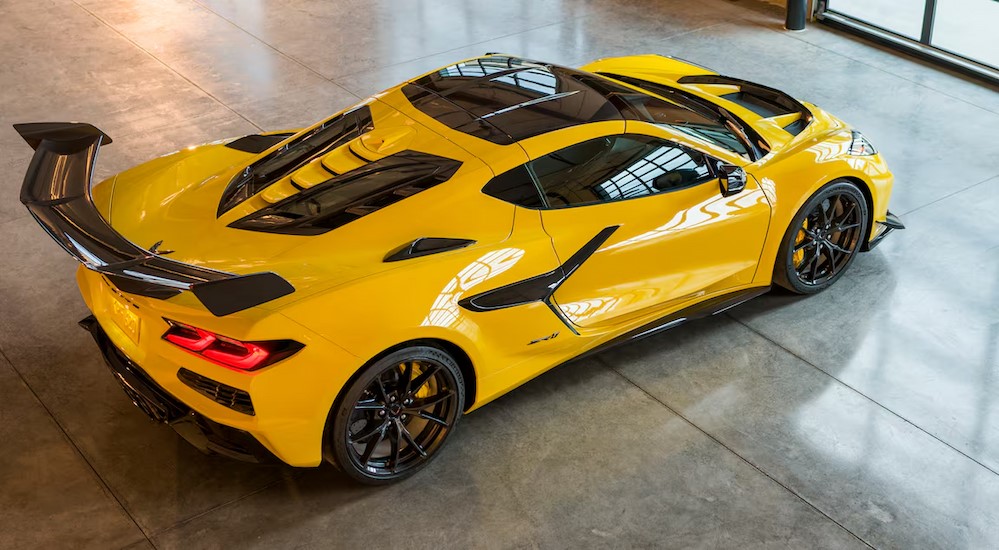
(864, 416)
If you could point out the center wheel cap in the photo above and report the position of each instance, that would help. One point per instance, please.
(395, 409)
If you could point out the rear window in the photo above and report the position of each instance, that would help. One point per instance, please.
(352, 195)
(331, 134)
(509, 100)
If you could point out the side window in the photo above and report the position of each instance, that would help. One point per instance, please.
(616, 168)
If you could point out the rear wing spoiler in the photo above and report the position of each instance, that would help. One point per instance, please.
(56, 191)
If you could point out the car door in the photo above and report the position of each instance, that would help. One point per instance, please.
(652, 209)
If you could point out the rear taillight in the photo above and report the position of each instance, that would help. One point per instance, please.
(229, 352)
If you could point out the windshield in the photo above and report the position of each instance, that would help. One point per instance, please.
(687, 121)
(694, 116)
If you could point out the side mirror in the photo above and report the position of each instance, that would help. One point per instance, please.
(732, 179)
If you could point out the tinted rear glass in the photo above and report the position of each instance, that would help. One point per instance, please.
(509, 99)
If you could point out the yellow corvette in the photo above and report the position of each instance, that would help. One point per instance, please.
(347, 291)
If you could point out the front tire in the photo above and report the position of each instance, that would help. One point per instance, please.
(823, 239)
(395, 417)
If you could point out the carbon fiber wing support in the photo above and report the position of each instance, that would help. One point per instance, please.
(56, 191)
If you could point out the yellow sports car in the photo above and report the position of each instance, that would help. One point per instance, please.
(347, 291)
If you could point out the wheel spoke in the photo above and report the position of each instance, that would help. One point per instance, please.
(381, 389)
(831, 259)
(808, 241)
(846, 214)
(407, 375)
(394, 443)
(825, 213)
(836, 201)
(368, 434)
(429, 417)
(432, 400)
(804, 263)
(420, 380)
(412, 442)
(838, 248)
(814, 268)
(372, 444)
(368, 405)
(842, 228)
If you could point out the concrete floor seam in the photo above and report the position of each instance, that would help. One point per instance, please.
(354, 73)
(865, 396)
(931, 203)
(710, 436)
(14, 219)
(532, 29)
(76, 448)
(284, 54)
(295, 475)
(166, 65)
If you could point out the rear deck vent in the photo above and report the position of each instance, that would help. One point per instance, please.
(353, 195)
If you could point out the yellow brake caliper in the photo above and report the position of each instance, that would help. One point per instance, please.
(798, 256)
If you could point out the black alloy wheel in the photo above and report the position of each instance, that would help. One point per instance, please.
(823, 239)
(396, 416)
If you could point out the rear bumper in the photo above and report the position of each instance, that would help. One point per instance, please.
(206, 435)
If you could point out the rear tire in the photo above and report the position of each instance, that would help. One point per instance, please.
(823, 238)
(395, 417)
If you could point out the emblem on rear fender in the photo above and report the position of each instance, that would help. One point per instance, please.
(543, 338)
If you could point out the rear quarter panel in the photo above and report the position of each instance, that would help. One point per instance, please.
(419, 300)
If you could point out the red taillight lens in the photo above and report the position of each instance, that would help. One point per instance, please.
(229, 352)
(189, 338)
(242, 355)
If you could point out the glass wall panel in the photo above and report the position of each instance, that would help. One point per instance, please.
(969, 28)
(903, 17)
